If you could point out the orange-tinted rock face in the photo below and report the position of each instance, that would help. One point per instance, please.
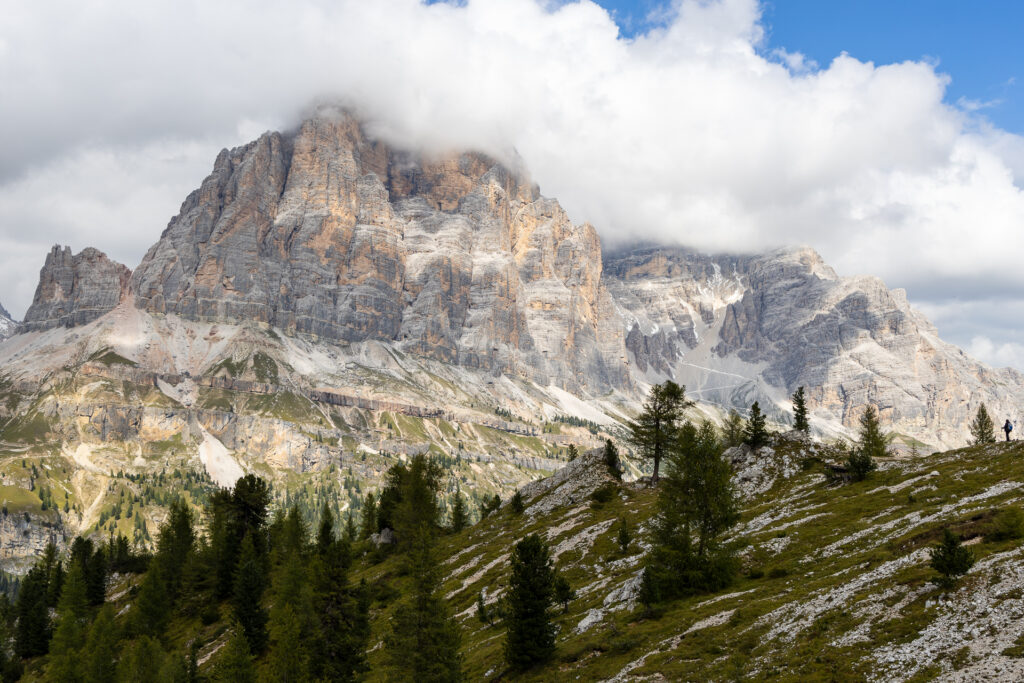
(328, 233)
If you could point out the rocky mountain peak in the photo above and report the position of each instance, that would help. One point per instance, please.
(75, 289)
(7, 324)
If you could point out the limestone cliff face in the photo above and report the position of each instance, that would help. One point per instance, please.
(326, 232)
(75, 289)
(737, 329)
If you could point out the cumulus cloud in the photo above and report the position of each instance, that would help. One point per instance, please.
(694, 132)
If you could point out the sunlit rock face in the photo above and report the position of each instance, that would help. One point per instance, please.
(75, 289)
(328, 233)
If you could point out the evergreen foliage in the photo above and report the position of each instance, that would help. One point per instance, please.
(69, 636)
(983, 430)
(530, 638)
(800, 422)
(368, 522)
(611, 459)
(654, 430)
(101, 648)
(872, 443)
(733, 430)
(490, 505)
(696, 506)
(249, 584)
(623, 535)
(950, 559)
(564, 594)
(756, 433)
(32, 637)
(516, 504)
(460, 519)
(236, 664)
(483, 613)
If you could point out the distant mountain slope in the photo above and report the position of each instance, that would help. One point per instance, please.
(7, 324)
(739, 329)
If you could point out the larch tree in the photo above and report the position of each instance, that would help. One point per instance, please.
(530, 638)
(654, 429)
(800, 422)
(983, 430)
(756, 432)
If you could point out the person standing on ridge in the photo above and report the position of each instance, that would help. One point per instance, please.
(1008, 427)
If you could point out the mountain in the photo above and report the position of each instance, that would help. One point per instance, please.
(7, 323)
(325, 303)
(75, 289)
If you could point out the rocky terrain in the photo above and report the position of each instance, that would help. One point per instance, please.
(325, 303)
(7, 324)
(835, 581)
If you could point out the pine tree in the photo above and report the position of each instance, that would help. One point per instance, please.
(755, 432)
(490, 505)
(101, 648)
(235, 664)
(69, 637)
(654, 429)
(460, 519)
(733, 430)
(153, 605)
(32, 636)
(624, 535)
(572, 452)
(611, 459)
(175, 541)
(516, 504)
(342, 619)
(800, 422)
(368, 523)
(564, 594)
(696, 506)
(287, 658)
(249, 584)
(872, 443)
(141, 661)
(325, 536)
(950, 559)
(482, 612)
(982, 428)
(530, 638)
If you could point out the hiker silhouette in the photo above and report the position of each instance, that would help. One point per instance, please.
(1008, 427)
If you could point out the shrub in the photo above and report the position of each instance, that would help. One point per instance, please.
(777, 572)
(1008, 524)
(602, 494)
(950, 559)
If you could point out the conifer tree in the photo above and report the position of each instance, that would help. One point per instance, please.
(982, 428)
(755, 432)
(733, 430)
(424, 641)
(368, 523)
(611, 459)
(175, 541)
(141, 661)
(654, 429)
(624, 536)
(325, 535)
(516, 504)
(342, 616)
(872, 443)
(101, 648)
(235, 664)
(69, 636)
(696, 506)
(246, 604)
(572, 452)
(351, 531)
(287, 659)
(530, 638)
(564, 594)
(800, 422)
(32, 635)
(482, 612)
(153, 605)
(950, 559)
(460, 520)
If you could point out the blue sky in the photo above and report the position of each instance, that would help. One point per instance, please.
(979, 44)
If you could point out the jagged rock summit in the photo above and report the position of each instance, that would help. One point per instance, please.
(329, 235)
(325, 232)
(75, 289)
(7, 324)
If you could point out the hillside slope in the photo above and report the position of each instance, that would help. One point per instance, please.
(835, 583)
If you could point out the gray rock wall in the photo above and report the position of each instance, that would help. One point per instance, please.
(75, 289)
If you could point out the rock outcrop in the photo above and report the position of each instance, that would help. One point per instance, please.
(7, 324)
(738, 329)
(327, 233)
(75, 289)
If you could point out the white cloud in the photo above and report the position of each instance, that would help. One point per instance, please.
(1006, 354)
(694, 132)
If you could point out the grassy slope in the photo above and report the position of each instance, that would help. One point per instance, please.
(842, 581)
